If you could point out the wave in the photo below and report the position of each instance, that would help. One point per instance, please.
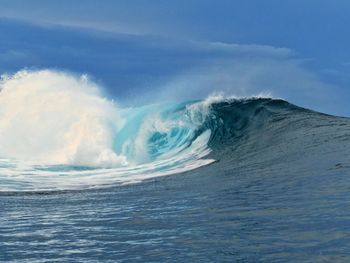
(58, 132)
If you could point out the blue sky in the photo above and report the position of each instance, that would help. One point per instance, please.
(297, 50)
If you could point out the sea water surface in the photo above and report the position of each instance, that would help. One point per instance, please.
(220, 180)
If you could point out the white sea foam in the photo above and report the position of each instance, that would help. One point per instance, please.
(55, 118)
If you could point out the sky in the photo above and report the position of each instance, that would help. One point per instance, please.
(146, 50)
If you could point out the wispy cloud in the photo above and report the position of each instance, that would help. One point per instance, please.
(248, 49)
(108, 27)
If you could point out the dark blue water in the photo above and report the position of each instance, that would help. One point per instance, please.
(279, 192)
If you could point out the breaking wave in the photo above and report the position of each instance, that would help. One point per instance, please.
(58, 132)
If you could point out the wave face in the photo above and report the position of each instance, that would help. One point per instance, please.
(59, 133)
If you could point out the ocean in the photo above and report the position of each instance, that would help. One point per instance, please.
(219, 180)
